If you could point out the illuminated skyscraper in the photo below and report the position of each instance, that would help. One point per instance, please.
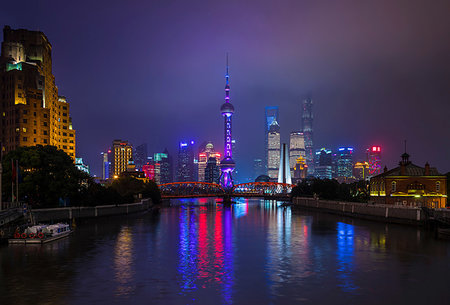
(165, 167)
(227, 164)
(185, 166)
(122, 152)
(307, 123)
(344, 160)
(273, 153)
(323, 164)
(140, 156)
(212, 170)
(33, 112)
(203, 159)
(374, 160)
(296, 149)
(270, 115)
(105, 165)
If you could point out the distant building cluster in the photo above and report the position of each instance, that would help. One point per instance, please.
(304, 160)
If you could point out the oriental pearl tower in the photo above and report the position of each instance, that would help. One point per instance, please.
(227, 164)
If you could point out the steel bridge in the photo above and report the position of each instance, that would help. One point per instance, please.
(204, 189)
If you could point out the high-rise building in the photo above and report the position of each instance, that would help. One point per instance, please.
(185, 166)
(344, 162)
(258, 168)
(32, 111)
(307, 123)
(165, 162)
(273, 153)
(284, 172)
(140, 156)
(227, 164)
(374, 160)
(212, 170)
(106, 165)
(296, 149)
(300, 169)
(206, 152)
(324, 162)
(122, 152)
(270, 115)
(361, 170)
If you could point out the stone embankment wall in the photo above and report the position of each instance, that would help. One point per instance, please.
(384, 212)
(57, 214)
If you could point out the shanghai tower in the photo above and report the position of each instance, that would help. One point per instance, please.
(307, 124)
(227, 164)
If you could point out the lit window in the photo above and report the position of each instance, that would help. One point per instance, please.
(24, 129)
(394, 186)
(438, 186)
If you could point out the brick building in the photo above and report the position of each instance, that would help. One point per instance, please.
(410, 185)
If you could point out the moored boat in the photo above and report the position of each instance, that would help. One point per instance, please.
(40, 234)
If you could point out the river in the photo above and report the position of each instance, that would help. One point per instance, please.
(254, 252)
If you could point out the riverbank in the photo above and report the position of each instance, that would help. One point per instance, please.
(380, 212)
(68, 213)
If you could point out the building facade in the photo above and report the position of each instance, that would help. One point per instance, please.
(307, 124)
(274, 150)
(122, 152)
(374, 160)
(410, 185)
(296, 149)
(205, 153)
(270, 115)
(165, 167)
(185, 164)
(344, 163)
(32, 112)
(324, 164)
(140, 156)
(212, 170)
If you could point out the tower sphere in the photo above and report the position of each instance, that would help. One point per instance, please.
(227, 109)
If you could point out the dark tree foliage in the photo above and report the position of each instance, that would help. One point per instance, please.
(332, 190)
(47, 176)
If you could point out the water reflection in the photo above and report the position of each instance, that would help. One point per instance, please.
(345, 256)
(205, 249)
(123, 262)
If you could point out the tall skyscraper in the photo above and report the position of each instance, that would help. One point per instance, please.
(185, 166)
(122, 153)
(140, 156)
(165, 167)
(344, 162)
(258, 168)
(307, 123)
(106, 165)
(212, 171)
(227, 164)
(324, 164)
(270, 115)
(284, 172)
(296, 149)
(206, 152)
(374, 160)
(300, 170)
(273, 153)
(32, 111)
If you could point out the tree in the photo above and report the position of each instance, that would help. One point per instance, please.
(47, 176)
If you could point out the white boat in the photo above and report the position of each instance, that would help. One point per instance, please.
(41, 234)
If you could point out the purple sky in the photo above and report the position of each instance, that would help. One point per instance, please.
(153, 71)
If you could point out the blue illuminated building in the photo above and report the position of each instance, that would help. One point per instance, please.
(185, 166)
(344, 162)
(227, 164)
(324, 164)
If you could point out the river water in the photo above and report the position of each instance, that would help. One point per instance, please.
(254, 252)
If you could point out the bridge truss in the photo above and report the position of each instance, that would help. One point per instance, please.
(205, 189)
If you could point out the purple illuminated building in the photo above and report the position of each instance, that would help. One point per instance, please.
(227, 164)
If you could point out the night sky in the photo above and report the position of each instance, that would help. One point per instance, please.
(153, 71)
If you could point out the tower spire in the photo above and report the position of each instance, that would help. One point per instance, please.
(227, 164)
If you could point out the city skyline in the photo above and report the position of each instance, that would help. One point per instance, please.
(385, 88)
